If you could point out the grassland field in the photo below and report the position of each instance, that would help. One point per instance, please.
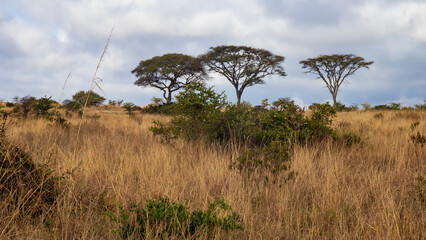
(372, 190)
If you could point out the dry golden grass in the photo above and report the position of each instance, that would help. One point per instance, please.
(367, 191)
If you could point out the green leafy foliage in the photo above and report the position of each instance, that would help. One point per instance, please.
(130, 108)
(243, 66)
(334, 69)
(421, 106)
(340, 107)
(42, 106)
(115, 103)
(169, 73)
(92, 98)
(271, 130)
(389, 106)
(195, 112)
(10, 104)
(23, 105)
(163, 218)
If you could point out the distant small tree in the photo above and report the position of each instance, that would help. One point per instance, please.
(42, 105)
(156, 101)
(130, 107)
(115, 103)
(366, 106)
(24, 105)
(71, 105)
(93, 100)
(169, 73)
(334, 69)
(421, 106)
(243, 66)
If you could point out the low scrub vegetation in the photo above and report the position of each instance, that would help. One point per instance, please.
(286, 172)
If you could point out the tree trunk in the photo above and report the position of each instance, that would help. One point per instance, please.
(169, 98)
(239, 97)
(334, 101)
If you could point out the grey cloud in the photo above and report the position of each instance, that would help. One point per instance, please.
(35, 61)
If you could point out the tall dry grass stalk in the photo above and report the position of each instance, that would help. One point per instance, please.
(368, 191)
(94, 82)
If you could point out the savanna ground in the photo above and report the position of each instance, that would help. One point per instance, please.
(372, 190)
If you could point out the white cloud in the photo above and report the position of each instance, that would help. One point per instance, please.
(43, 42)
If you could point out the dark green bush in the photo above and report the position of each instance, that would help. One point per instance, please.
(163, 108)
(389, 106)
(42, 106)
(340, 107)
(10, 104)
(23, 105)
(162, 218)
(417, 106)
(195, 112)
(130, 108)
(71, 105)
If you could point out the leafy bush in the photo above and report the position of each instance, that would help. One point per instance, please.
(164, 108)
(196, 110)
(42, 106)
(389, 106)
(92, 98)
(10, 104)
(26, 184)
(71, 105)
(162, 218)
(130, 107)
(24, 105)
(421, 106)
(340, 107)
(115, 103)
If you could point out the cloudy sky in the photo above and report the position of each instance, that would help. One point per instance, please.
(42, 41)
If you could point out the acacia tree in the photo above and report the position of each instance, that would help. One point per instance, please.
(81, 98)
(243, 66)
(169, 73)
(333, 69)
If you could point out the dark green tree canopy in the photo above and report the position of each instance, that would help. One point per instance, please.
(169, 73)
(243, 66)
(94, 98)
(334, 69)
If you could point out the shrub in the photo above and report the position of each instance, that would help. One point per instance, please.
(71, 105)
(421, 106)
(389, 106)
(195, 112)
(115, 103)
(24, 105)
(164, 108)
(163, 218)
(42, 106)
(366, 106)
(92, 98)
(130, 107)
(10, 104)
(340, 107)
(27, 185)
